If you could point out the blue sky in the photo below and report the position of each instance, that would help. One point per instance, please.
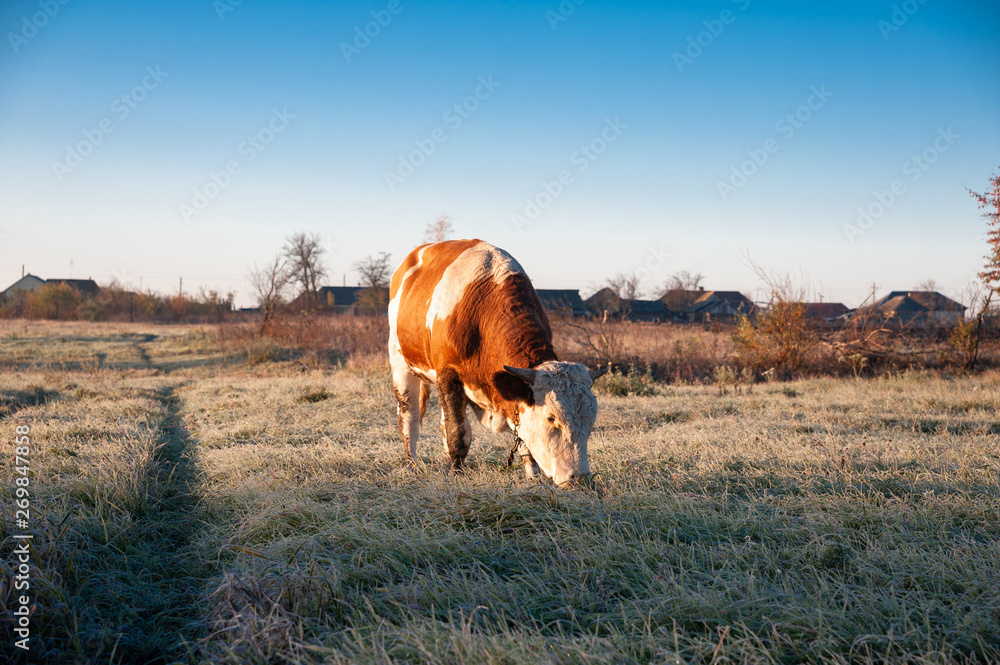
(687, 137)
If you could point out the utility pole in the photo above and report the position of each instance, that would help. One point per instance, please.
(180, 287)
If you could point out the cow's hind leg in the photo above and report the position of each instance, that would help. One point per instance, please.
(425, 396)
(454, 425)
(407, 387)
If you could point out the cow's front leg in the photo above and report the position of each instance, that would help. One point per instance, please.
(454, 425)
(531, 469)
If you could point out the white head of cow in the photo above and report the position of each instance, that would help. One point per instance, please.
(556, 428)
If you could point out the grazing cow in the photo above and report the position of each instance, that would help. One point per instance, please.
(463, 315)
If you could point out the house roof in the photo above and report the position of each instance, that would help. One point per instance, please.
(710, 300)
(561, 299)
(825, 310)
(931, 301)
(655, 307)
(85, 286)
(17, 286)
(605, 298)
(732, 298)
(902, 303)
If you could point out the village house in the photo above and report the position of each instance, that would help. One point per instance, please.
(346, 300)
(85, 287)
(825, 314)
(563, 301)
(718, 306)
(917, 308)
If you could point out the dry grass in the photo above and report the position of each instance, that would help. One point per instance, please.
(197, 509)
(782, 346)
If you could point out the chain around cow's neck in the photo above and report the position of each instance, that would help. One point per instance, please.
(517, 439)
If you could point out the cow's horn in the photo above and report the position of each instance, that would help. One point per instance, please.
(595, 374)
(526, 375)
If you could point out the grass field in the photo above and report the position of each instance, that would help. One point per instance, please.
(190, 507)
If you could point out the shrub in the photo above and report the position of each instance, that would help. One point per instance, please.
(313, 396)
(724, 377)
(778, 339)
(52, 301)
(263, 350)
(630, 382)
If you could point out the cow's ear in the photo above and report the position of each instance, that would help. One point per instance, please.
(512, 388)
(595, 374)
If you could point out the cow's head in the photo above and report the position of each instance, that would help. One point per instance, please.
(556, 427)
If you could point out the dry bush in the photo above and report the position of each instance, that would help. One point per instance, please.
(48, 301)
(777, 339)
(54, 301)
(666, 352)
(869, 344)
(639, 352)
(314, 340)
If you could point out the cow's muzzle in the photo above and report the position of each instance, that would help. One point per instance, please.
(575, 480)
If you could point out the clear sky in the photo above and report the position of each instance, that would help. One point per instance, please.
(187, 138)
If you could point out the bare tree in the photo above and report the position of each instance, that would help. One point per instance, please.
(439, 230)
(683, 281)
(625, 285)
(681, 290)
(926, 285)
(268, 285)
(616, 300)
(304, 254)
(374, 271)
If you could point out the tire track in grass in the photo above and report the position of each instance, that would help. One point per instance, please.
(174, 526)
(143, 354)
(119, 573)
(166, 620)
(177, 524)
(155, 573)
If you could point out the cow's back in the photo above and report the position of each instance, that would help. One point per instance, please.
(467, 304)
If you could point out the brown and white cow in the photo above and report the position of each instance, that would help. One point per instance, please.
(463, 315)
